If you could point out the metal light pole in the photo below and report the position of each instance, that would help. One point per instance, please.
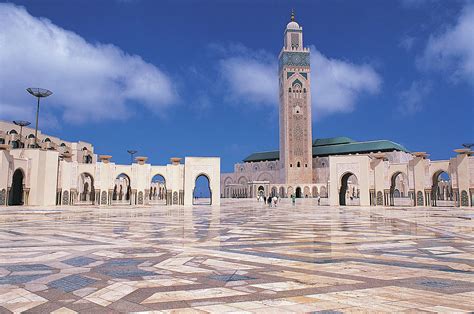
(21, 124)
(131, 152)
(38, 93)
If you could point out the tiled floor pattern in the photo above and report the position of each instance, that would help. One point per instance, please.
(242, 257)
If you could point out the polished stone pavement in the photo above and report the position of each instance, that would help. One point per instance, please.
(241, 257)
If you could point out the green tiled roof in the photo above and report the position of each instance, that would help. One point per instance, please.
(335, 146)
(263, 156)
(332, 141)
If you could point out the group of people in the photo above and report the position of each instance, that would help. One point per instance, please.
(272, 201)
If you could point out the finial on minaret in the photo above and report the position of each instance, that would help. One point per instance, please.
(292, 15)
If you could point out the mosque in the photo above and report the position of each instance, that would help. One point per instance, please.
(44, 170)
(339, 170)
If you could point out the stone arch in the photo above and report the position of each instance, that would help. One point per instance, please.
(298, 192)
(306, 191)
(398, 186)
(348, 189)
(16, 190)
(282, 192)
(442, 189)
(122, 188)
(323, 192)
(243, 180)
(289, 191)
(158, 191)
(86, 188)
(274, 191)
(314, 191)
(265, 176)
(206, 200)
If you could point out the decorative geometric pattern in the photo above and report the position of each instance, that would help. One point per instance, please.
(140, 198)
(294, 58)
(419, 198)
(239, 257)
(175, 198)
(464, 199)
(103, 199)
(379, 198)
(3, 197)
(79, 261)
(65, 198)
(71, 283)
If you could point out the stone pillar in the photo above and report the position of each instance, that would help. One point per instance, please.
(462, 173)
(377, 164)
(419, 163)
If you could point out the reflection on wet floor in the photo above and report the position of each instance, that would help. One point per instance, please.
(242, 256)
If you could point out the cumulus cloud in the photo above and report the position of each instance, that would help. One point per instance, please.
(90, 81)
(453, 49)
(336, 84)
(412, 99)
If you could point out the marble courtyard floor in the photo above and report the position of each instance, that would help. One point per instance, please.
(241, 257)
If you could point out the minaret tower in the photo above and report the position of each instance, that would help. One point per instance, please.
(296, 154)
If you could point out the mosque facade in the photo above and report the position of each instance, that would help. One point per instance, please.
(339, 170)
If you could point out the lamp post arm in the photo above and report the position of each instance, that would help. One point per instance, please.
(36, 129)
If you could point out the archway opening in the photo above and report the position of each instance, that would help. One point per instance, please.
(122, 189)
(274, 191)
(16, 192)
(261, 191)
(86, 189)
(282, 192)
(298, 192)
(158, 190)
(399, 190)
(442, 190)
(315, 192)
(349, 192)
(202, 194)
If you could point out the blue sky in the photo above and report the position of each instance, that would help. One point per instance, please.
(198, 78)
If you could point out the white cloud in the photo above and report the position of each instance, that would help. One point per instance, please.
(452, 50)
(412, 99)
(89, 81)
(336, 84)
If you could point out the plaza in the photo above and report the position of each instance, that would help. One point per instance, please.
(240, 257)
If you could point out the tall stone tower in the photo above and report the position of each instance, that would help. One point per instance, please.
(296, 153)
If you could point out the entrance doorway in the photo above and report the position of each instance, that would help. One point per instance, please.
(298, 192)
(202, 194)
(158, 190)
(442, 190)
(16, 192)
(349, 192)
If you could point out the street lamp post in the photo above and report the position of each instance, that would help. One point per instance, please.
(21, 124)
(38, 93)
(131, 152)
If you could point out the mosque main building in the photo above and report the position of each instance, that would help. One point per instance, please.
(339, 170)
